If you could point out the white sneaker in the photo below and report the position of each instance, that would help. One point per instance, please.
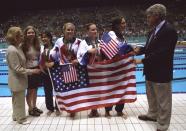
(24, 122)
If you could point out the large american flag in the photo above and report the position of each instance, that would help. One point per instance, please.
(109, 46)
(99, 85)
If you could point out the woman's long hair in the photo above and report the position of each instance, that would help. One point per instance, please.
(26, 41)
(116, 27)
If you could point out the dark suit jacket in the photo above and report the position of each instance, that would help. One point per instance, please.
(158, 61)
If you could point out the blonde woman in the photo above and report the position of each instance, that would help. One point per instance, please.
(67, 47)
(17, 74)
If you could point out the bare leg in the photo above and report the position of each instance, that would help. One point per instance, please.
(28, 99)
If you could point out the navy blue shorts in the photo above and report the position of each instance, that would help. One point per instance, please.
(34, 80)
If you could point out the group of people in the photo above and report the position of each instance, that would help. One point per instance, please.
(29, 63)
(25, 72)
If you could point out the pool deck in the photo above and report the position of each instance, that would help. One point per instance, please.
(83, 123)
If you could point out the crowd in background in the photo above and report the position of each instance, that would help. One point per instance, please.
(54, 20)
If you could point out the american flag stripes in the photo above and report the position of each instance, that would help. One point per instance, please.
(99, 85)
(109, 46)
(70, 74)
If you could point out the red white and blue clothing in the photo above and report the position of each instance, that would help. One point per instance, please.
(65, 52)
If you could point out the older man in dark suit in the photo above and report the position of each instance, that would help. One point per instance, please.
(158, 66)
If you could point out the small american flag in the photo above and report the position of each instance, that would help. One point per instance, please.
(109, 46)
(69, 73)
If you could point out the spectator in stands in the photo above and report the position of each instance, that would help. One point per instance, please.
(158, 66)
(67, 47)
(31, 49)
(46, 63)
(17, 74)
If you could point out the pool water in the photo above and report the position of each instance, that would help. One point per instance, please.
(178, 84)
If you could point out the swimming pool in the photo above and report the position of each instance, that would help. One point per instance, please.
(179, 73)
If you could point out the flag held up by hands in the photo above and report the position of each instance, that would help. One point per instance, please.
(99, 85)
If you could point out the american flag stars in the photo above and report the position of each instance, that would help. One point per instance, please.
(58, 79)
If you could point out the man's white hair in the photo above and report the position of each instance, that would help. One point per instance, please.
(157, 9)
